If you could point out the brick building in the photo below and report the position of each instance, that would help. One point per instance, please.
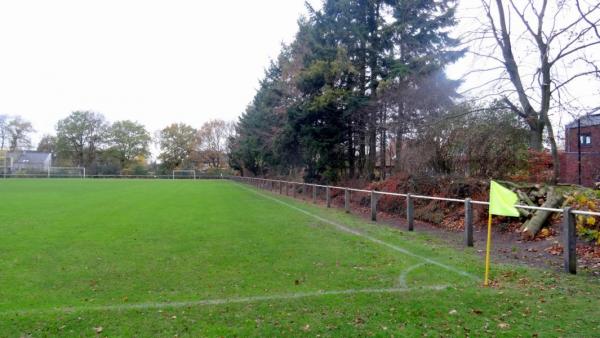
(590, 151)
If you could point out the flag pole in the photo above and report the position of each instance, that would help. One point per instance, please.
(487, 251)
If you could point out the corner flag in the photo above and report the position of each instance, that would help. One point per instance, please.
(502, 203)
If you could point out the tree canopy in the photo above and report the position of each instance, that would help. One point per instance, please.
(328, 104)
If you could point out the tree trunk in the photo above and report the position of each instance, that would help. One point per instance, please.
(361, 125)
(554, 152)
(536, 136)
(351, 154)
(531, 227)
(546, 94)
(372, 22)
(372, 158)
(398, 150)
(383, 145)
(362, 145)
(399, 137)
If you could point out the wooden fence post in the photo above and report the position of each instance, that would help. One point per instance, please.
(410, 213)
(294, 190)
(373, 206)
(287, 189)
(570, 241)
(468, 222)
(314, 192)
(328, 197)
(347, 200)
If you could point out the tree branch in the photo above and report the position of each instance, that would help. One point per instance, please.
(592, 72)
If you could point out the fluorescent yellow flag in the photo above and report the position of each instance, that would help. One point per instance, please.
(502, 201)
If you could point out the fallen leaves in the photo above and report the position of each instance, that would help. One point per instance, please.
(503, 326)
(545, 232)
(555, 250)
(359, 321)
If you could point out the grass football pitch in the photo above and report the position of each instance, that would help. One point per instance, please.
(218, 258)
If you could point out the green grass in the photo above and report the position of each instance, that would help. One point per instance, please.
(137, 258)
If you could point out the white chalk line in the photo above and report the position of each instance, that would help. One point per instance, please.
(223, 301)
(402, 279)
(370, 238)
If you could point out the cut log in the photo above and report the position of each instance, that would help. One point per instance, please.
(526, 200)
(539, 194)
(531, 227)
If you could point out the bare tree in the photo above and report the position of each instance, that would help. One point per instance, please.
(3, 131)
(213, 138)
(18, 133)
(542, 48)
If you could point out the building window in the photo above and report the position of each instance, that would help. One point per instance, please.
(585, 139)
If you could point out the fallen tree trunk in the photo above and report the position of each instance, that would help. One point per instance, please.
(524, 199)
(531, 227)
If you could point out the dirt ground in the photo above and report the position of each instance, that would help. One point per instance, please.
(507, 247)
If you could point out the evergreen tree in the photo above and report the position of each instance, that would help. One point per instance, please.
(332, 94)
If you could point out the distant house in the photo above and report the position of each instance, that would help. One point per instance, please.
(28, 161)
(588, 144)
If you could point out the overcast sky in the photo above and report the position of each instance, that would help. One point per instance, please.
(156, 62)
(152, 61)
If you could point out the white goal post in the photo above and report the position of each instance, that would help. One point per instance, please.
(4, 163)
(66, 172)
(190, 174)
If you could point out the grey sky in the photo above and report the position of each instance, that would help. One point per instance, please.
(156, 62)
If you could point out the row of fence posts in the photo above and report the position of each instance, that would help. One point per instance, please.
(569, 240)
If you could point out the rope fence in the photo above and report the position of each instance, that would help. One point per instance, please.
(283, 187)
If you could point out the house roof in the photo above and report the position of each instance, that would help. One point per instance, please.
(586, 121)
(30, 157)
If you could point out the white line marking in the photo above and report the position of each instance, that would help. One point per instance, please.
(156, 305)
(402, 279)
(357, 233)
(223, 301)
